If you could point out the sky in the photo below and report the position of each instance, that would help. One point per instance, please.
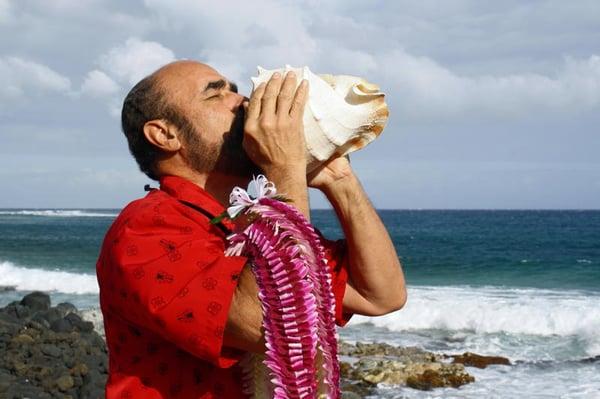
(493, 105)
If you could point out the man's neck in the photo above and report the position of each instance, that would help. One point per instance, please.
(220, 186)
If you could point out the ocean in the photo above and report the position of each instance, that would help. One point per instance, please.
(519, 284)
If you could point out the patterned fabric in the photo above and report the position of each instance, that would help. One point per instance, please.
(165, 292)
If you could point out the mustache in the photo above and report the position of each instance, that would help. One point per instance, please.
(237, 125)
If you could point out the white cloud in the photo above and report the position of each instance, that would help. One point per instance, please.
(21, 78)
(135, 59)
(426, 90)
(4, 10)
(237, 39)
(99, 84)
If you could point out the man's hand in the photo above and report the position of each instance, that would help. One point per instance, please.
(274, 135)
(273, 132)
(332, 172)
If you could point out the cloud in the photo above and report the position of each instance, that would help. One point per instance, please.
(99, 84)
(426, 90)
(135, 59)
(265, 32)
(4, 10)
(20, 78)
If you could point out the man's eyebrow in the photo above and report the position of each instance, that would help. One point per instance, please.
(220, 84)
(215, 85)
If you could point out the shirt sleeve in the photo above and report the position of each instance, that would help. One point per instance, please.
(336, 254)
(175, 280)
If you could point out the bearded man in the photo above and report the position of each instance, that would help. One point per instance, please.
(178, 314)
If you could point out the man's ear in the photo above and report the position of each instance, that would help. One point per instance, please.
(162, 135)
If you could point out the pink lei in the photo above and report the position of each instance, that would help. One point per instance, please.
(296, 296)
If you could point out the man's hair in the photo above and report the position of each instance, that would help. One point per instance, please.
(147, 101)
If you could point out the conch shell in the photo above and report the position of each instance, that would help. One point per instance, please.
(343, 113)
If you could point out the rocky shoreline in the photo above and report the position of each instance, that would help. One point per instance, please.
(54, 352)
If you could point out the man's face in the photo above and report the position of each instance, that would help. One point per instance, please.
(214, 113)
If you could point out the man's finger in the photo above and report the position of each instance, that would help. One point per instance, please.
(300, 99)
(269, 99)
(253, 110)
(284, 100)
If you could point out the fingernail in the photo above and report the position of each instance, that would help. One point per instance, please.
(291, 74)
(276, 75)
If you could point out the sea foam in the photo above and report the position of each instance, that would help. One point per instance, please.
(29, 279)
(57, 213)
(489, 310)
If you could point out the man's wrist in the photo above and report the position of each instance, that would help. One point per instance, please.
(275, 171)
(341, 189)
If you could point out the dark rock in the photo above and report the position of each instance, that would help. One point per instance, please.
(64, 358)
(51, 315)
(40, 320)
(78, 323)
(23, 339)
(65, 308)
(479, 361)
(15, 311)
(64, 382)
(37, 301)
(61, 326)
(438, 379)
(50, 350)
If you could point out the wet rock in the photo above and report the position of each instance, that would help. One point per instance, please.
(61, 359)
(375, 363)
(36, 301)
(50, 350)
(66, 308)
(75, 320)
(23, 339)
(446, 376)
(479, 361)
(61, 326)
(65, 382)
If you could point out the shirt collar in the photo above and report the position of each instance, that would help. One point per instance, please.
(185, 190)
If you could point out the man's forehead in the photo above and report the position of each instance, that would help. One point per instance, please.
(192, 74)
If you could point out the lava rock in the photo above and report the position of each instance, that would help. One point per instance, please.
(479, 361)
(443, 377)
(379, 363)
(36, 301)
(64, 358)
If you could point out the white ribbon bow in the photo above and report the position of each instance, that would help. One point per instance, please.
(240, 199)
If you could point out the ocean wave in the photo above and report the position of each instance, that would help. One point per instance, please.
(57, 213)
(492, 310)
(29, 279)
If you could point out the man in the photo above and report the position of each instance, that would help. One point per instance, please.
(178, 313)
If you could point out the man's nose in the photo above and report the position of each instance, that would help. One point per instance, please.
(237, 100)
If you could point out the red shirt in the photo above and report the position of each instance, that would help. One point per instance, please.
(165, 291)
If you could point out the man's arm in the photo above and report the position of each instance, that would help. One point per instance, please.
(244, 328)
(376, 282)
